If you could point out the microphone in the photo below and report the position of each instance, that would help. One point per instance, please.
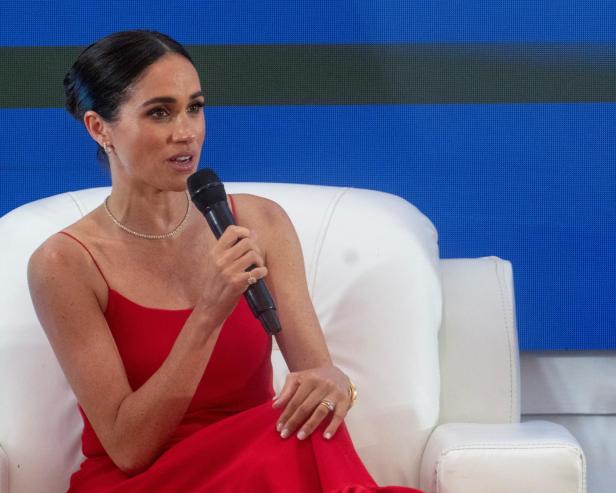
(209, 196)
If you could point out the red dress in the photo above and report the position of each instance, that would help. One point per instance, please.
(227, 440)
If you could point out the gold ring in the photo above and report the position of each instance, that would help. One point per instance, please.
(328, 404)
(352, 393)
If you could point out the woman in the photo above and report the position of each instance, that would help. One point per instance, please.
(143, 308)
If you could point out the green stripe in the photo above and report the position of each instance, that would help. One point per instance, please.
(31, 77)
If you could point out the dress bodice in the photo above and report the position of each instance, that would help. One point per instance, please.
(238, 375)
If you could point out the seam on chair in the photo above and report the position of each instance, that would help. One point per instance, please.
(508, 329)
(321, 239)
(505, 446)
(77, 203)
(441, 277)
(423, 456)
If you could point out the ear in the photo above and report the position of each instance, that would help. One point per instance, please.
(96, 127)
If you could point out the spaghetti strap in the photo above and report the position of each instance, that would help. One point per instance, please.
(89, 253)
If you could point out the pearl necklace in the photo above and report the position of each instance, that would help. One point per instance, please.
(145, 236)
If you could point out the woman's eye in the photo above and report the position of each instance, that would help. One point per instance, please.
(196, 107)
(158, 113)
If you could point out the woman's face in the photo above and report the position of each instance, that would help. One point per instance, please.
(160, 129)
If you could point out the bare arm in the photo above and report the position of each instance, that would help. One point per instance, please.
(132, 426)
(313, 376)
(301, 341)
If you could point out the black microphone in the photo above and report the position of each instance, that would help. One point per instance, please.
(208, 194)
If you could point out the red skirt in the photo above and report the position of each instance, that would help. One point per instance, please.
(240, 453)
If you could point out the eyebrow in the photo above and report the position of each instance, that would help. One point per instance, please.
(168, 99)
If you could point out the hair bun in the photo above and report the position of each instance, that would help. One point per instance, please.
(71, 102)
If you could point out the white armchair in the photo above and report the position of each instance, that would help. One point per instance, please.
(431, 345)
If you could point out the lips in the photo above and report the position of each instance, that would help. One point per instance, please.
(182, 161)
(182, 156)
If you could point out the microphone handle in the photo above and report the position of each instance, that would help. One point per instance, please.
(219, 217)
(260, 301)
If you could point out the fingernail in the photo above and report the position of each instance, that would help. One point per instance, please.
(301, 435)
(275, 403)
(327, 435)
(284, 433)
(279, 426)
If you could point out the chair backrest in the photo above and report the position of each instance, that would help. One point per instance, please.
(372, 267)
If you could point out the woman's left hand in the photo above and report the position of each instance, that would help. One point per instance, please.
(303, 392)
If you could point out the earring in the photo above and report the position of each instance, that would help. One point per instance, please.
(107, 147)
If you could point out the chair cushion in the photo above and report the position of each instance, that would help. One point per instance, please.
(508, 458)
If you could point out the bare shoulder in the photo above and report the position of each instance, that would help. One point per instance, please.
(275, 232)
(58, 252)
(61, 262)
(53, 256)
(265, 216)
(259, 210)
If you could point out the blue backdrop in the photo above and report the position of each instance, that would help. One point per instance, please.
(532, 181)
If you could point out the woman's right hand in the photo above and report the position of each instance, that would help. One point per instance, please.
(227, 275)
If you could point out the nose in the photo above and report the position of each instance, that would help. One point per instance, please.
(186, 129)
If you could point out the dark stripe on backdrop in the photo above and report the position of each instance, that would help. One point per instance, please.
(31, 77)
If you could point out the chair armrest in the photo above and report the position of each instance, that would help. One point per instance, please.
(479, 360)
(506, 458)
(4, 472)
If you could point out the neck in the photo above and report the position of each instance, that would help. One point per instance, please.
(149, 213)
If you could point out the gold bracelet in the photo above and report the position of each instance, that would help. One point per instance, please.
(352, 393)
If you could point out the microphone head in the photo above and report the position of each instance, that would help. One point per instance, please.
(205, 188)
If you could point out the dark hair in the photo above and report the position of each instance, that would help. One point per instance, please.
(103, 72)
